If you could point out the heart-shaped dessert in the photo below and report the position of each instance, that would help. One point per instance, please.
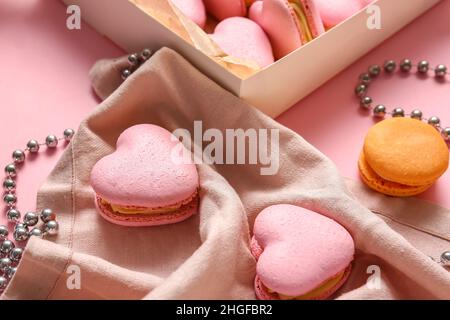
(289, 24)
(142, 184)
(334, 12)
(193, 9)
(222, 9)
(244, 39)
(301, 254)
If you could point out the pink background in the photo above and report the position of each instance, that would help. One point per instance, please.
(45, 88)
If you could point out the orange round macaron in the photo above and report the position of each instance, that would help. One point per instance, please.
(402, 157)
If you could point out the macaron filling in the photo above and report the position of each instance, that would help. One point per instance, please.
(375, 181)
(136, 210)
(300, 11)
(323, 290)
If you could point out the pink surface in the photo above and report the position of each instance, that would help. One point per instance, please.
(331, 119)
(244, 39)
(144, 171)
(45, 86)
(301, 249)
(50, 63)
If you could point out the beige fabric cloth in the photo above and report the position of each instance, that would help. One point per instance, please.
(207, 256)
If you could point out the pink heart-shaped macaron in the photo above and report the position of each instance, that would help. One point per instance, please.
(222, 9)
(193, 9)
(334, 12)
(298, 251)
(288, 24)
(142, 183)
(244, 39)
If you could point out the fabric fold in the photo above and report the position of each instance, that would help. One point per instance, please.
(207, 256)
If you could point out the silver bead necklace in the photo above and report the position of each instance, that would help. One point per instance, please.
(406, 66)
(10, 254)
(380, 111)
(135, 60)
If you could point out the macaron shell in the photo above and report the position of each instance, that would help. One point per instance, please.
(334, 12)
(301, 249)
(143, 171)
(406, 151)
(147, 220)
(263, 294)
(223, 9)
(255, 249)
(375, 182)
(242, 38)
(314, 18)
(193, 9)
(280, 23)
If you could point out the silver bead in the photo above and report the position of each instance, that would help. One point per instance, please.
(146, 54)
(446, 133)
(3, 283)
(51, 227)
(125, 73)
(9, 184)
(360, 90)
(365, 78)
(445, 258)
(51, 141)
(20, 234)
(3, 232)
(6, 246)
(366, 102)
(16, 254)
(47, 215)
(31, 219)
(406, 65)
(10, 272)
(434, 121)
(18, 156)
(390, 66)
(68, 134)
(440, 71)
(379, 111)
(33, 146)
(10, 199)
(374, 71)
(423, 66)
(398, 112)
(13, 215)
(35, 232)
(5, 263)
(20, 225)
(133, 59)
(11, 170)
(416, 114)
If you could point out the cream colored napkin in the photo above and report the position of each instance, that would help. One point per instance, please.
(207, 256)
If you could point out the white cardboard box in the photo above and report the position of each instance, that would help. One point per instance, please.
(280, 85)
